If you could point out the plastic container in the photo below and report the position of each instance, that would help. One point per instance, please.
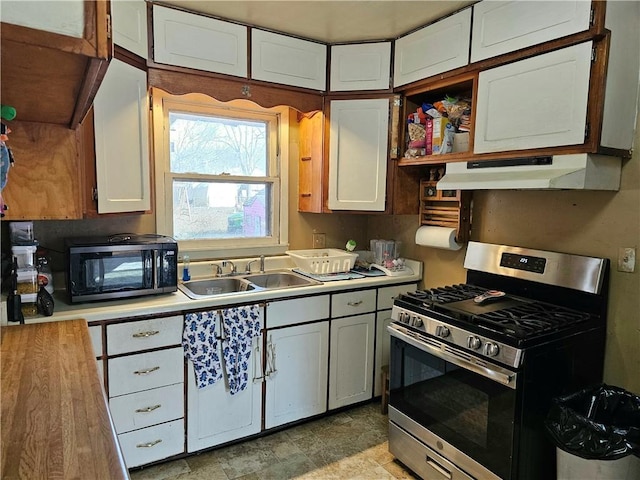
(27, 281)
(29, 304)
(323, 260)
(21, 233)
(25, 254)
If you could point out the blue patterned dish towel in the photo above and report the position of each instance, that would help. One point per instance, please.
(200, 339)
(240, 325)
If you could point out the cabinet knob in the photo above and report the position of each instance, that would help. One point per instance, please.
(145, 334)
(148, 409)
(148, 445)
(354, 304)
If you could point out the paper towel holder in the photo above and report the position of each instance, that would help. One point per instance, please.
(446, 208)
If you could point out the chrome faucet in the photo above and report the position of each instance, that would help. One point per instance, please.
(248, 267)
(225, 263)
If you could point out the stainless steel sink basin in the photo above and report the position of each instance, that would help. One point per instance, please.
(215, 286)
(211, 287)
(272, 280)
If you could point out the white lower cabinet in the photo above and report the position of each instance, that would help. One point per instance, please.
(215, 416)
(351, 360)
(146, 390)
(296, 373)
(151, 444)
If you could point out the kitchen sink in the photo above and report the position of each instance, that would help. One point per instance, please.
(280, 280)
(215, 286)
(211, 287)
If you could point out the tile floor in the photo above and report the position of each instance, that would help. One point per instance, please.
(348, 445)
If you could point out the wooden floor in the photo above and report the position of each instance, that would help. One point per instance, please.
(348, 445)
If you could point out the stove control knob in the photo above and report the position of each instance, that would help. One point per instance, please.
(491, 349)
(403, 317)
(416, 321)
(473, 342)
(442, 331)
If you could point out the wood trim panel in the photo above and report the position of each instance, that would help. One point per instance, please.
(179, 81)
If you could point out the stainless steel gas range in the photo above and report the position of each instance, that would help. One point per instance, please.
(473, 367)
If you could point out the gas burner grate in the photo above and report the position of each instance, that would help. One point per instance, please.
(530, 319)
(448, 294)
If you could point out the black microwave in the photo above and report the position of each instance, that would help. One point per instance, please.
(120, 266)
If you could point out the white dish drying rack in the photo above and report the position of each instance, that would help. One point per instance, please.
(323, 260)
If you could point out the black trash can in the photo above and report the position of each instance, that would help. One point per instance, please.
(597, 434)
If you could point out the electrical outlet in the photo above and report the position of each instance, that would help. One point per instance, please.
(319, 240)
(626, 259)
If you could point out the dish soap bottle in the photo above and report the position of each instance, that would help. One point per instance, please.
(186, 262)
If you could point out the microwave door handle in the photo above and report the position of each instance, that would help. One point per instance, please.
(156, 269)
(505, 378)
(101, 272)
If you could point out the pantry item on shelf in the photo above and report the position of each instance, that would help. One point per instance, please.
(45, 275)
(27, 281)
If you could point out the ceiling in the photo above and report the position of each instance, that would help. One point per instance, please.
(329, 21)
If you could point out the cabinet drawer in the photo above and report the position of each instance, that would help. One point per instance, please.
(144, 334)
(151, 444)
(353, 303)
(151, 407)
(386, 295)
(144, 371)
(297, 310)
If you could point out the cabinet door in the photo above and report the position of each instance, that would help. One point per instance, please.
(150, 407)
(297, 310)
(129, 24)
(66, 18)
(351, 360)
(215, 416)
(434, 49)
(360, 67)
(296, 373)
(193, 41)
(144, 334)
(134, 373)
(121, 110)
(534, 103)
(502, 27)
(358, 142)
(288, 61)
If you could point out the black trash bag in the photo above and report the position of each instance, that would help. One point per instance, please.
(45, 303)
(597, 423)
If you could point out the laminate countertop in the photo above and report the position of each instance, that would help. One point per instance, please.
(54, 415)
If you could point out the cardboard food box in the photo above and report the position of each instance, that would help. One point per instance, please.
(461, 142)
(439, 127)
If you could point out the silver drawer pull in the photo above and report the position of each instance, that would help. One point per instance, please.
(148, 445)
(354, 304)
(148, 370)
(148, 409)
(146, 334)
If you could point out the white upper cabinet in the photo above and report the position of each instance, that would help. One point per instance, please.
(64, 18)
(434, 49)
(534, 103)
(129, 24)
(121, 112)
(364, 66)
(288, 61)
(193, 41)
(501, 27)
(358, 142)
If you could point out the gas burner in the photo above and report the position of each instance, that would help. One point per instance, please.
(530, 319)
(447, 294)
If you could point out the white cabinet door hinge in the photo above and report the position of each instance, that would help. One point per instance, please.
(592, 17)
(586, 130)
(593, 54)
(94, 194)
(397, 102)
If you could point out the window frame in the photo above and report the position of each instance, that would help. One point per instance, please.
(277, 177)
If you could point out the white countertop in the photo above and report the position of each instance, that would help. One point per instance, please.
(178, 301)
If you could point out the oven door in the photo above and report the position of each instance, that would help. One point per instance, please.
(461, 407)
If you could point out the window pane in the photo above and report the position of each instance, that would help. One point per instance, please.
(217, 145)
(218, 210)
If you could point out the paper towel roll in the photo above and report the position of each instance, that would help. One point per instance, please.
(437, 237)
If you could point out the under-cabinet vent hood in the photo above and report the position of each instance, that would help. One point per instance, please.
(574, 172)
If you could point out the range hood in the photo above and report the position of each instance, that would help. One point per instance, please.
(581, 171)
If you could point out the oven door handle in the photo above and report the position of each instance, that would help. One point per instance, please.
(496, 373)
